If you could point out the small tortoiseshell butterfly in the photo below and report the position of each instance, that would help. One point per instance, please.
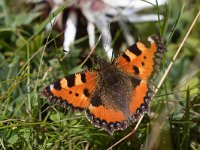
(116, 94)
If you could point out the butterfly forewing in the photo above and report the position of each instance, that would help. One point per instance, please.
(142, 58)
(73, 91)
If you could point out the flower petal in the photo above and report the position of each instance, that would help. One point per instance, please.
(70, 30)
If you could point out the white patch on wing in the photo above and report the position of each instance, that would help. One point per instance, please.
(51, 87)
(150, 40)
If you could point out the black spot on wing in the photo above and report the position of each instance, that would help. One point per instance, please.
(70, 80)
(83, 79)
(86, 92)
(57, 85)
(135, 81)
(136, 70)
(135, 50)
(142, 63)
(96, 101)
(126, 57)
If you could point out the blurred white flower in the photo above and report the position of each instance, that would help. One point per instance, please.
(99, 14)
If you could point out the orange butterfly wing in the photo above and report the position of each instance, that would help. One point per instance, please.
(107, 118)
(140, 98)
(73, 91)
(141, 61)
(142, 58)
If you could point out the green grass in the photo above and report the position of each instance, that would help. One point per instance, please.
(30, 59)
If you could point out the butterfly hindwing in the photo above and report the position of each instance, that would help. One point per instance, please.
(107, 118)
(142, 58)
(140, 98)
(72, 91)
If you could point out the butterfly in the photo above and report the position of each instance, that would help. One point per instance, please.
(117, 93)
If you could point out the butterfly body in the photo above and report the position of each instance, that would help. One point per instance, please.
(117, 93)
